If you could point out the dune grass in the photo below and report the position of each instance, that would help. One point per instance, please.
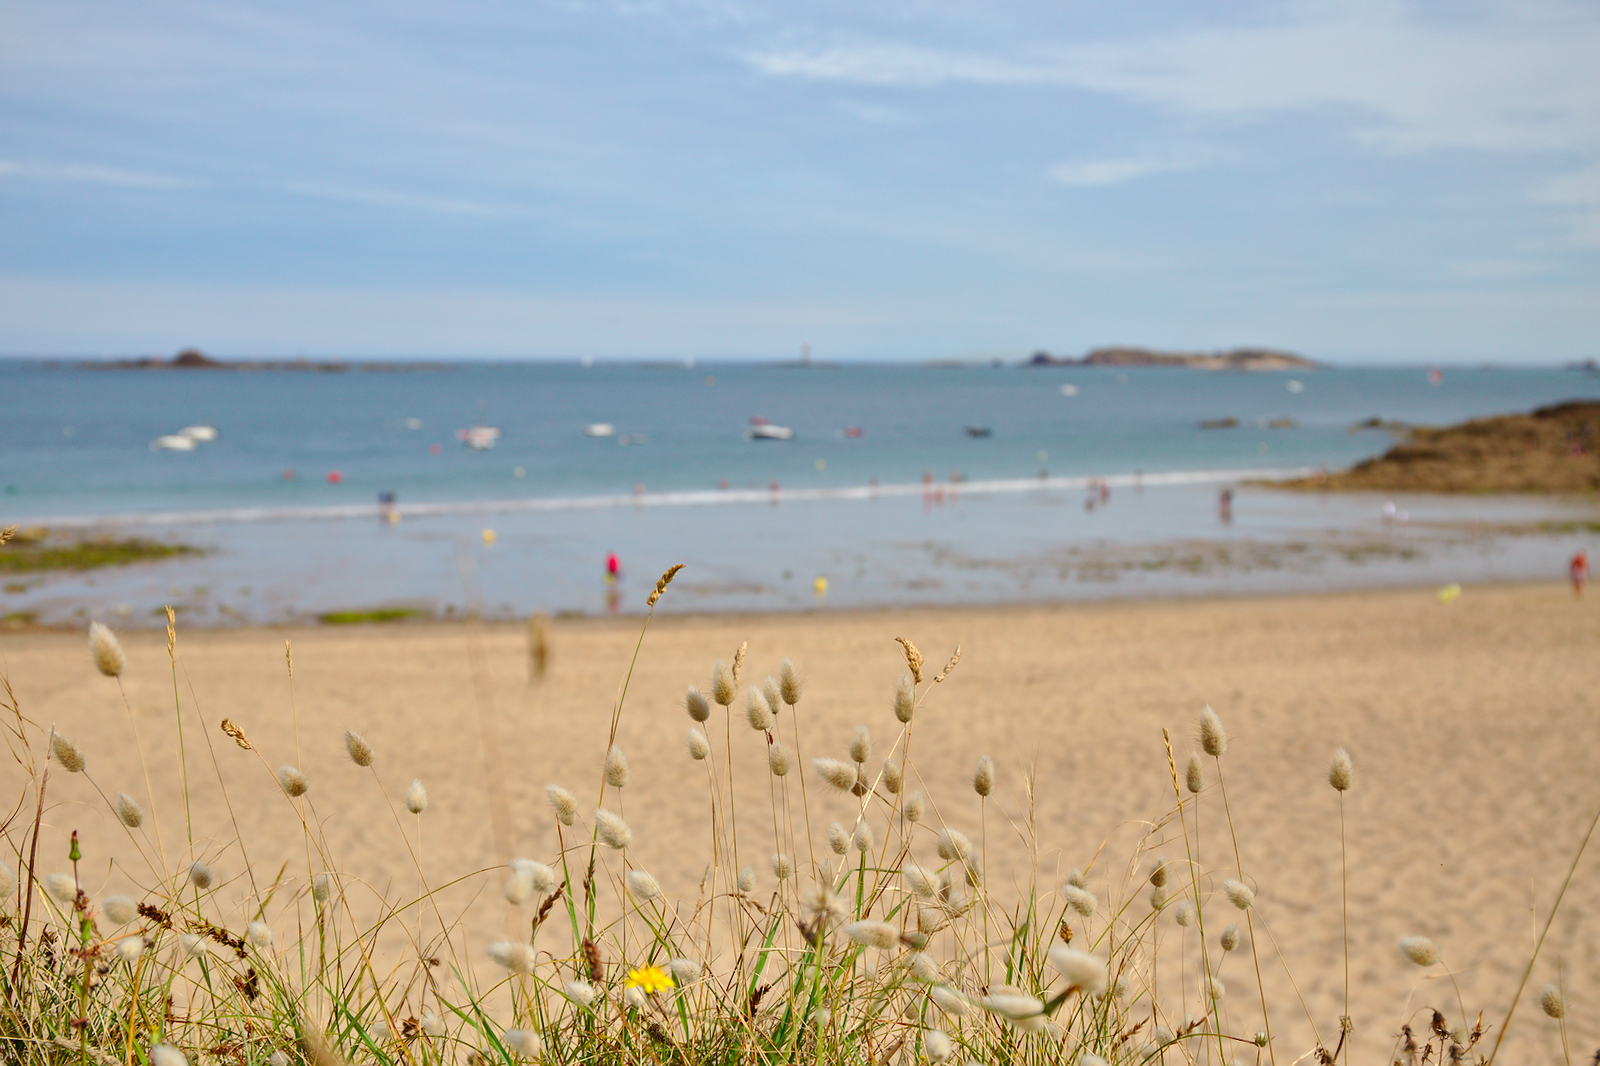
(876, 939)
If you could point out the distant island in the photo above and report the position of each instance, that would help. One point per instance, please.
(195, 359)
(1235, 359)
(1552, 450)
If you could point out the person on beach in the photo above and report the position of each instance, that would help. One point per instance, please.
(1578, 570)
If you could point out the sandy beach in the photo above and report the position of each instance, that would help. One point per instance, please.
(1472, 724)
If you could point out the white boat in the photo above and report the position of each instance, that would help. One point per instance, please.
(198, 433)
(1069, 389)
(769, 432)
(173, 442)
(599, 429)
(479, 438)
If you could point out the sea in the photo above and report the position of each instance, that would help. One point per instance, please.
(351, 487)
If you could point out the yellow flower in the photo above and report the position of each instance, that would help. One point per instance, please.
(649, 978)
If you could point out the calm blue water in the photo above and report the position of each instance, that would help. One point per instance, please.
(75, 441)
(74, 444)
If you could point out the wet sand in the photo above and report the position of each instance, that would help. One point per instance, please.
(1473, 728)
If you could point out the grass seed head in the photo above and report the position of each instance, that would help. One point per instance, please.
(1076, 878)
(1194, 776)
(747, 880)
(921, 883)
(614, 832)
(773, 691)
(861, 745)
(260, 934)
(782, 866)
(642, 886)
(863, 838)
(359, 750)
(916, 806)
(526, 1042)
(517, 889)
(1212, 988)
(757, 712)
(194, 945)
(129, 948)
(200, 875)
(431, 1024)
(324, 888)
(580, 992)
(1420, 950)
(617, 771)
(836, 772)
(923, 968)
(1552, 1002)
(128, 811)
(64, 887)
(1158, 871)
(68, 754)
(937, 1046)
(838, 839)
(699, 746)
(515, 955)
(106, 650)
(722, 684)
(699, 710)
(1080, 899)
(905, 700)
(1083, 971)
(873, 934)
(1239, 894)
(684, 971)
(1159, 897)
(983, 778)
(166, 1055)
(789, 682)
(1230, 937)
(1089, 1059)
(1183, 913)
(778, 759)
(120, 910)
(292, 781)
(953, 844)
(563, 803)
(1213, 741)
(1340, 770)
(893, 778)
(416, 797)
(951, 1002)
(541, 877)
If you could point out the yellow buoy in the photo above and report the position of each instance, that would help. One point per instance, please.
(488, 536)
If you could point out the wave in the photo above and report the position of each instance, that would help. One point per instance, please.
(694, 498)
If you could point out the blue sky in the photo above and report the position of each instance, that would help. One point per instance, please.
(1361, 181)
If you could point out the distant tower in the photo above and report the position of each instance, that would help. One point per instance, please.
(805, 354)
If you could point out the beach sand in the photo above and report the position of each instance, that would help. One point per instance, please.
(1473, 727)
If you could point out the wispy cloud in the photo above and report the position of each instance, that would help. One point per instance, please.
(1095, 172)
(1514, 79)
(404, 200)
(95, 175)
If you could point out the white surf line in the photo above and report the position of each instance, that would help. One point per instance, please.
(689, 498)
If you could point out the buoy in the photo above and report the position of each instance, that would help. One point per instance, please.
(488, 536)
(821, 586)
(334, 477)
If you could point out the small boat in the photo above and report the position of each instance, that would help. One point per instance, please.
(599, 429)
(478, 438)
(767, 431)
(1069, 389)
(852, 432)
(173, 442)
(979, 431)
(198, 433)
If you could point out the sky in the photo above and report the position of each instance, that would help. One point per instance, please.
(1372, 182)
